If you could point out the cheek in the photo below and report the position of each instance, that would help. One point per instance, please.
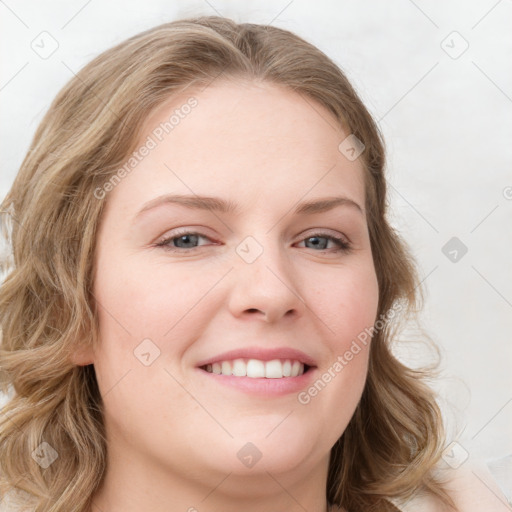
(347, 303)
(146, 300)
(137, 303)
(348, 307)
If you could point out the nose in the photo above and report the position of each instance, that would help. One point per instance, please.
(265, 288)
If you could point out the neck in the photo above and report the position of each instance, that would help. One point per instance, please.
(132, 485)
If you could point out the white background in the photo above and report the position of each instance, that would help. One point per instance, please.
(448, 126)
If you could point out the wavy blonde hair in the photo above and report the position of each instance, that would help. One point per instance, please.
(51, 215)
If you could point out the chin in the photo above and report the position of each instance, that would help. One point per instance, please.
(270, 448)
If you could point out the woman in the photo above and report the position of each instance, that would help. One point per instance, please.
(205, 288)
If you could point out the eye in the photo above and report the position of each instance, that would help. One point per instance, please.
(190, 240)
(321, 240)
(183, 240)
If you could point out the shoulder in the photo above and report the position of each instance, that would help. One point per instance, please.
(472, 488)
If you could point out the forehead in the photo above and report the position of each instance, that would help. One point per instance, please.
(249, 141)
(250, 113)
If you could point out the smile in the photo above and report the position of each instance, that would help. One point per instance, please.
(257, 369)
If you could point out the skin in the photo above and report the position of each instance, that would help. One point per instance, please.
(173, 437)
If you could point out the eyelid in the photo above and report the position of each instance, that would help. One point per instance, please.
(309, 233)
(324, 232)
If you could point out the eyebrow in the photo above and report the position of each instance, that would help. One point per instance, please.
(224, 206)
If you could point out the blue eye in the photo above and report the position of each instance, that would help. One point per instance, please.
(317, 241)
(190, 240)
(184, 240)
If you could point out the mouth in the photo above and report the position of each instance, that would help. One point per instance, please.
(257, 368)
(259, 371)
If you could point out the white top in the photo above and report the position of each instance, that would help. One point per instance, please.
(473, 488)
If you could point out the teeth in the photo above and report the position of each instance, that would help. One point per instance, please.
(287, 368)
(239, 368)
(273, 369)
(256, 369)
(225, 368)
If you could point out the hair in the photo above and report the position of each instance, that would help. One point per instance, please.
(50, 217)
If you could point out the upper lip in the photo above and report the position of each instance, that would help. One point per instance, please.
(263, 354)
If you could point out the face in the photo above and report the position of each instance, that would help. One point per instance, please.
(272, 278)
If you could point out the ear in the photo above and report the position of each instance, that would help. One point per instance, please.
(82, 354)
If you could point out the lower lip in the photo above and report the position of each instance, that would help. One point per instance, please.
(262, 386)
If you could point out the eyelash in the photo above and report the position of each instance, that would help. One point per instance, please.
(343, 245)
